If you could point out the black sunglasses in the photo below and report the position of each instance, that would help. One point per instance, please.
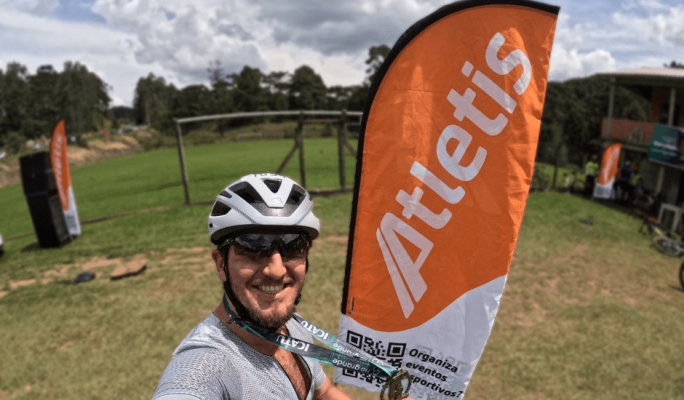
(289, 245)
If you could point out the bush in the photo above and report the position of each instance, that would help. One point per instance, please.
(14, 142)
(201, 137)
(156, 142)
(82, 141)
(327, 130)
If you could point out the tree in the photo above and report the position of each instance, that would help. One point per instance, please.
(358, 98)
(573, 116)
(15, 97)
(30, 105)
(248, 93)
(376, 56)
(215, 72)
(152, 97)
(43, 97)
(220, 98)
(307, 90)
(337, 97)
(277, 85)
(192, 101)
(82, 98)
(674, 64)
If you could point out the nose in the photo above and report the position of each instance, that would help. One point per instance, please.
(275, 268)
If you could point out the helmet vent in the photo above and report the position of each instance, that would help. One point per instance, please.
(219, 209)
(273, 185)
(225, 194)
(296, 195)
(247, 192)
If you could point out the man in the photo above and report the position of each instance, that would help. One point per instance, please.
(622, 184)
(590, 170)
(263, 226)
(633, 182)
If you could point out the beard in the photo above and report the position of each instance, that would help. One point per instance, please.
(272, 320)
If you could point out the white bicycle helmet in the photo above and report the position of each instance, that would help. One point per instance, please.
(267, 200)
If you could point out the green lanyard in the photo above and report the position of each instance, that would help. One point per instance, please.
(344, 355)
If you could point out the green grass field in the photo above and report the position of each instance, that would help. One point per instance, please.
(589, 312)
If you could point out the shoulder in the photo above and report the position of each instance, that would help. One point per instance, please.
(199, 365)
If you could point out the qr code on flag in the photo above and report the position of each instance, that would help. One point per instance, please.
(392, 353)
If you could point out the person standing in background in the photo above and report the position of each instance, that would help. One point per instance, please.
(590, 170)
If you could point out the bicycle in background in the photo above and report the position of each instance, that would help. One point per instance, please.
(669, 246)
(668, 243)
(651, 226)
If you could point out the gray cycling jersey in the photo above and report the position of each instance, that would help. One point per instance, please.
(212, 363)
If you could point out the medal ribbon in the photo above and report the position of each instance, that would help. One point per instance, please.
(343, 354)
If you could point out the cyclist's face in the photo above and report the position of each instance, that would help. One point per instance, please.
(267, 285)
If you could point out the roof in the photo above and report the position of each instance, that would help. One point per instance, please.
(648, 76)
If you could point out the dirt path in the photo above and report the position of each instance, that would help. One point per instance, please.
(193, 258)
(105, 268)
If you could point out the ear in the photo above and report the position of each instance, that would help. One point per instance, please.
(217, 255)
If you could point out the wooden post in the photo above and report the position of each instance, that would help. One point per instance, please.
(300, 141)
(181, 157)
(670, 121)
(661, 177)
(341, 138)
(671, 108)
(611, 104)
(287, 158)
(349, 147)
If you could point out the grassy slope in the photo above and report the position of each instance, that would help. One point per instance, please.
(153, 179)
(589, 311)
(147, 180)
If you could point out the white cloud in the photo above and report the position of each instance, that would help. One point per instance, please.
(177, 39)
(639, 33)
(573, 54)
(335, 70)
(184, 37)
(35, 7)
(663, 27)
(34, 40)
(341, 27)
(570, 63)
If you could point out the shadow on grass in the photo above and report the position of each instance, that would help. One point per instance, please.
(31, 247)
(34, 246)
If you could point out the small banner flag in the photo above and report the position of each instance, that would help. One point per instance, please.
(446, 154)
(664, 146)
(608, 172)
(60, 166)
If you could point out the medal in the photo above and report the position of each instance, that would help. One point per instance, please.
(395, 387)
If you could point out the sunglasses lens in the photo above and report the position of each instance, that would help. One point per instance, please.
(293, 246)
(290, 245)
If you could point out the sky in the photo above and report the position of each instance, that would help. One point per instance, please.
(124, 40)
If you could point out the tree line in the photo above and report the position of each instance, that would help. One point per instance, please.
(157, 102)
(30, 105)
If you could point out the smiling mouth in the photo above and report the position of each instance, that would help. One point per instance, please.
(271, 289)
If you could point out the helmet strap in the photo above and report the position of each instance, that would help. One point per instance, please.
(240, 309)
(299, 298)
